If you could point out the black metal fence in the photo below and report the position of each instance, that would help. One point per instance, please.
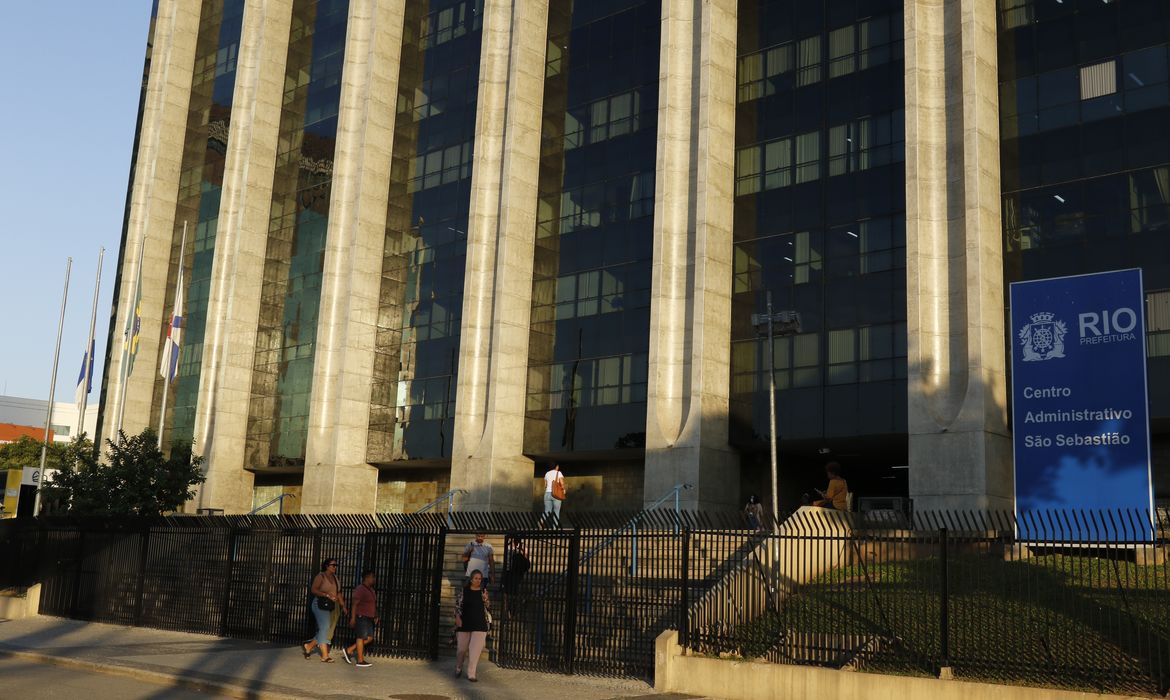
(1078, 600)
(598, 595)
(1072, 600)
(245, 577)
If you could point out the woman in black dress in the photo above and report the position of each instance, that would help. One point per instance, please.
(473, 617)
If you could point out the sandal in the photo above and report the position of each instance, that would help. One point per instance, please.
(327, 660)
(306, 651)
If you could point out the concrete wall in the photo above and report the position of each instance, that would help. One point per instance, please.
(755, 680)
(18, 607)
(960, 452)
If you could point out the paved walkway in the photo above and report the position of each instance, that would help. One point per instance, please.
(245, 669)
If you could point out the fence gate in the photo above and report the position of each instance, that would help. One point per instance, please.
(537, 623)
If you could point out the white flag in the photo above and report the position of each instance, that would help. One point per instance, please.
(170, 356)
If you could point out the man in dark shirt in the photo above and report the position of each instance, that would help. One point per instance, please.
(363, 617)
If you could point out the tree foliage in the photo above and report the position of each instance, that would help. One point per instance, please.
(26, 452)
(136, 478)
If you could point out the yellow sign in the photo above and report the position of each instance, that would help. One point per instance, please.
(12, 492)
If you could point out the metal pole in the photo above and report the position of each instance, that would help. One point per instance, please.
(52, 386)
(162, 411)
(123, 371)
(772, 411)
(944, 603)
(97, 285)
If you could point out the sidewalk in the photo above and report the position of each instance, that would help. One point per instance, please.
(243, 669)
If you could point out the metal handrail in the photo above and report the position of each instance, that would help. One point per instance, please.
(632, 525)
(449, 497)
(279, 499)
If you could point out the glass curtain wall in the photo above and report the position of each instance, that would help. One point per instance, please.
(820, 222)
(594, 240)
(282, 376)
(200, 182)
(1085, 155)
(412, 401)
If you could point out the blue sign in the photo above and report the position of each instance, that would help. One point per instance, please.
(1079, 409)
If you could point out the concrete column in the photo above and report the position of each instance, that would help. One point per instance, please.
(690, 312)
(337, 477)
(960, 454)
(152, 211)
(237, 275)
(487, 455)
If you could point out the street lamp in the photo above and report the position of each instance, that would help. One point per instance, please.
(772, 324)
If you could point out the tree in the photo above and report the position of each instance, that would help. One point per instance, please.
(26, 452)
(136, 479)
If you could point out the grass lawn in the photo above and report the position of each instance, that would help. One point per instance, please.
(1070, 621)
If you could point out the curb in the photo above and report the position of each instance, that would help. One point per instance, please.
(174, 680)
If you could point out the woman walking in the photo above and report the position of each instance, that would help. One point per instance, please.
(754, 512)
(327, 606)
(473, 617)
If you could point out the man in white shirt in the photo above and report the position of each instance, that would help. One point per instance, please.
(552, 505)
(479, 556)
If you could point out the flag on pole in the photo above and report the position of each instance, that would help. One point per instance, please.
(84, 380)
(134, 320)
(170, 355)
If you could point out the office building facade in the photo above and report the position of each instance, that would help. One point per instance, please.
(441, 244)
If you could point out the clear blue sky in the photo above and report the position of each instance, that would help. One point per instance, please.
(70, 100)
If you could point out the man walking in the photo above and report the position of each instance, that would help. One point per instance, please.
(479, 556)
(363, 618)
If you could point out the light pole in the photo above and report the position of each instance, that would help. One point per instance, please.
(772, 323)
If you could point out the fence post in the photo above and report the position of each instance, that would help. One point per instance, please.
(143, 553)
(75, 600)
(436, 591)
(229, 567)
(944, 605)
(571, 600)
(684, 616)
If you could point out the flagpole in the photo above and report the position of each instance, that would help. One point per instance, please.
(52, 386)
(162, 412)
(88, 373)
(123, 372)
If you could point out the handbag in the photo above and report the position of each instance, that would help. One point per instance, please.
(487, 613)
(558, 490)
(324, 603)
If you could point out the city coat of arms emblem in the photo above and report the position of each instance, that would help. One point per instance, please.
(1043, 338)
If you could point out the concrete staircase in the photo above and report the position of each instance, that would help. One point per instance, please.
(453, 580)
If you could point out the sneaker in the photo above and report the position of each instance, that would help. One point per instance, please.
(364, 664)
(345, 655)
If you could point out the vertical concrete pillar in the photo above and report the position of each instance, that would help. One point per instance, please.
(487, 455)
(337, 477)
(237, 275)
(690, 312)
(152, 211)
(960, 454)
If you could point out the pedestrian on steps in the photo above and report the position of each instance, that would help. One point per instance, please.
(516, 564)
(554, 493)
(479, 555)
(754, 512)
(473, 619)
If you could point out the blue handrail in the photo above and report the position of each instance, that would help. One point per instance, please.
(632, 526)
(449, 497)
(279, 500)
